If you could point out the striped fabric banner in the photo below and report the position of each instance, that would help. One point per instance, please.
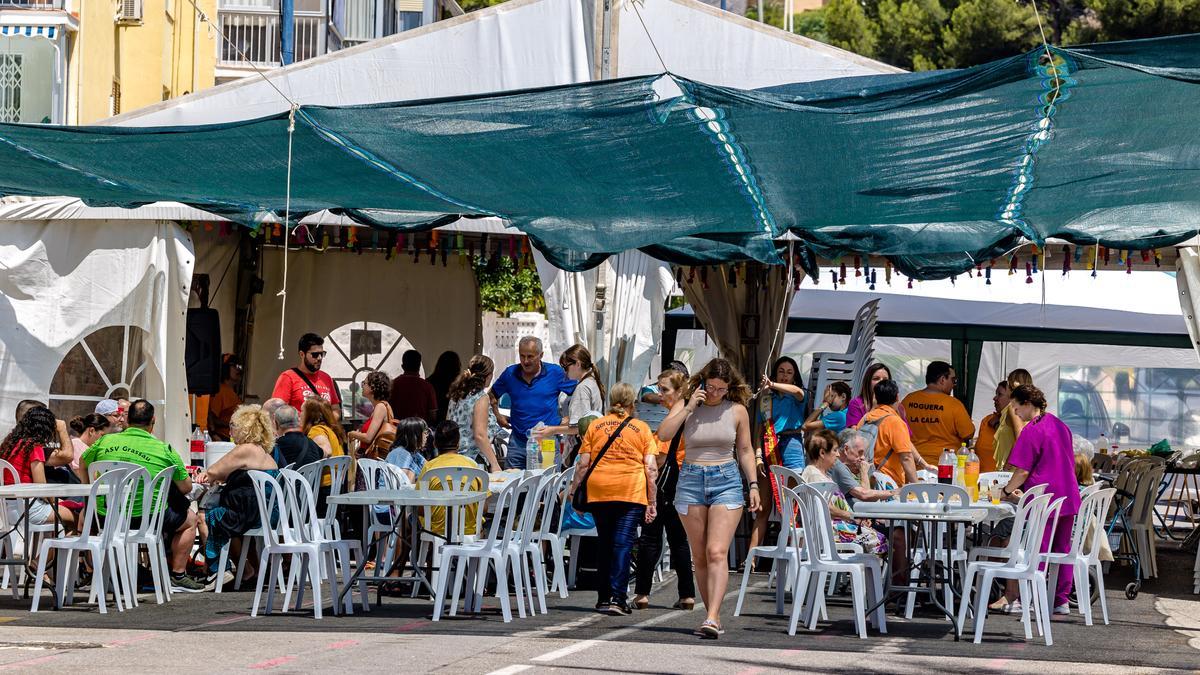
(49, 32)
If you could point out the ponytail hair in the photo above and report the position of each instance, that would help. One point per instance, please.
(622, 399)
(473, 378)
(583, 357)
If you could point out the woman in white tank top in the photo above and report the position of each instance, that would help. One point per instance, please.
(717, 454)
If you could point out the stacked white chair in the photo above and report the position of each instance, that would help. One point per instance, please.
(848, 367)
(1022, 565)
(1083, 560)
(495, 552)
(149, 533)
(821, 558)
(938, 493)
(106, 552)
(337, 468)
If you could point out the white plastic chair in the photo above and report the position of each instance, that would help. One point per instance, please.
(13, 544)
(823, 558)
(450, 479)
(538, 509)
(149, 533)
(309, 528)
(785, 554)
(337, 468)
(1084, 557)
(495, 552)
(105, 552)
(1009, 550)
(558, 540)
(283, 538)
(938, 493)
(549, 532)
(1023, 567)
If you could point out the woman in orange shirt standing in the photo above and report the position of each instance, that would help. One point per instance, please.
(985, 444)
(617, 459)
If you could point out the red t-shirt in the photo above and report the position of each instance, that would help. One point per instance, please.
(294, 390)
(413, 396)
(21, 461)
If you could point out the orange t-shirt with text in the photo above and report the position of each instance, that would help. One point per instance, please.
(892, 438)
(620, 476)
(938, 421)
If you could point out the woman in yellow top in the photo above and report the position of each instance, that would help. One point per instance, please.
(1010, 425)
(316, 417)
(620, 491)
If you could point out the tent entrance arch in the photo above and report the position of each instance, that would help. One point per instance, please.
(355, 349)
(110, 362)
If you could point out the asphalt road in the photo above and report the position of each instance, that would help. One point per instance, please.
(204, 633)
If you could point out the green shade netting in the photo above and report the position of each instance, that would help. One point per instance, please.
(938, 171)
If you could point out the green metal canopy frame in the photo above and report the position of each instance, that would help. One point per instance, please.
(937, 171)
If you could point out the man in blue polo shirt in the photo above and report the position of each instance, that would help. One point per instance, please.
(533, 388)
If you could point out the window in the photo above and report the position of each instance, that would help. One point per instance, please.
(10, 87)
(109, 363)
(409, 20)
(355, 349)
(1135, 406)
(114, 100)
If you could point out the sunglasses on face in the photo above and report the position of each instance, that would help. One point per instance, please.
(317, 355)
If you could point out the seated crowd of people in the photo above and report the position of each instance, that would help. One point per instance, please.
(689, 478)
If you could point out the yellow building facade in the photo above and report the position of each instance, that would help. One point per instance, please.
(131, 53)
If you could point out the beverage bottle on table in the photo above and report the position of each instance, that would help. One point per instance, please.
(972, 478)
(946, 467)
(960, 466)
(1102, 444)
(533, 450)
(197, 445)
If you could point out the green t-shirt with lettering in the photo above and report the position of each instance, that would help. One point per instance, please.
(136, 446)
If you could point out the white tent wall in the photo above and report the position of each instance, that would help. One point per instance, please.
(61, 281)
(516, 45)
(435, 308)
(704, 43)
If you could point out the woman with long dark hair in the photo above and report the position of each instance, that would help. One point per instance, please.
(447, 369)
(781, 403)
(708, 497)
(865, 401)
(475, 412)
(587, 399)
(408, 452)
(376, 436)
(88, 429)
(25, 448)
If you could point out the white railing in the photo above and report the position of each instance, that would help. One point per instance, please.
(256, 35)
(32, 4)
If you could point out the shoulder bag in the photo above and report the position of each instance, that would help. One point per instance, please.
(668, 472)
(579, 501)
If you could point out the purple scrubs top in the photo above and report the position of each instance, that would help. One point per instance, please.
(1044, 449)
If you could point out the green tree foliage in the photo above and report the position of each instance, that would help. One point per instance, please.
(929, 34)
(848, 27)
(504, 289)
(472, 5)
(986, 30)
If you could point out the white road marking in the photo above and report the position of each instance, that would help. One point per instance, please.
(509, 670)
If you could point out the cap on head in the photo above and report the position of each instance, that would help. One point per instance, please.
(107, 407)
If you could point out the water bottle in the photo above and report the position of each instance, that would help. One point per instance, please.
(1102, 444)
(533, 449)
(946, 467)
(960, 468)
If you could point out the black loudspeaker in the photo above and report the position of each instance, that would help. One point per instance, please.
(202, 351)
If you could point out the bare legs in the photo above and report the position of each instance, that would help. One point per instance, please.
(710, 531)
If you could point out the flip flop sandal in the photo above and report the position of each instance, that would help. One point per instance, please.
(710, 629)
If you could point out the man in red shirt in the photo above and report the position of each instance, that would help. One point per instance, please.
(412, 395)
(307, 379)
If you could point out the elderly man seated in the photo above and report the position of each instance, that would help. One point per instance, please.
(852, 473)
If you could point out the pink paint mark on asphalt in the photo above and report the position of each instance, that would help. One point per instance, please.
(136, 638)
(16, 665)
(272, 663)
(342, 645)
(222, 622)
(751, 671)
(998, 664)
(409, 626)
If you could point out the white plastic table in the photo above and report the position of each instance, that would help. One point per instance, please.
(27, 492)
(410, 499)
(912, 512)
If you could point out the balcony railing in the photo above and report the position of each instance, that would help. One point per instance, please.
(31, 4)
(255, 34)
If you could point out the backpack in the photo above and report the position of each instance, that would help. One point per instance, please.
(870, 432)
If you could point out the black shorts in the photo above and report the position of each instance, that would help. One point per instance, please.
(172, 520)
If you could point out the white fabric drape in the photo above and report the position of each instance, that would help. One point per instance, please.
(1188, 279)
(61, 281)
(637, 285)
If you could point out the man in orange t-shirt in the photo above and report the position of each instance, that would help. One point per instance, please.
(937, 419)
(894, 451)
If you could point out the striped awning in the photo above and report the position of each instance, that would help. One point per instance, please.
(48, 32)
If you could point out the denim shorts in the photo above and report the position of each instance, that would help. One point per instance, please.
(709, 485)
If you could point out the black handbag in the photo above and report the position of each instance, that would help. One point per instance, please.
(668, 473)
(579, 500)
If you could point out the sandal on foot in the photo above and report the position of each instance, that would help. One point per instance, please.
(710, 629)
(641, 602)
(686, 604)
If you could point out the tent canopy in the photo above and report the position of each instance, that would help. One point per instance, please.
(935, 170)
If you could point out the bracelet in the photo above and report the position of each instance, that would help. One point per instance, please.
(754, 484)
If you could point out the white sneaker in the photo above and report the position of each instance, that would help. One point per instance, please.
(1064, 609)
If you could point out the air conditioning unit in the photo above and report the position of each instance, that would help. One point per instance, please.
(129, 11)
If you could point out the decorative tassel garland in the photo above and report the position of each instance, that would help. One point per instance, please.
(1078, 253)
(833, 276)
(910, 282)
(691, 275)
(704, 277)
(1029, 273)
(987, 274)
(1066, 260)
(887, 273)
(1012, 267)
(1033, 260)
(1106, 252)
(1157, 258)
(872, 279)
(843, 275)
(1128, 263)
(857, 265)
(731, 276)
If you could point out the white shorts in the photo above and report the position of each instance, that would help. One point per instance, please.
(40, 512)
